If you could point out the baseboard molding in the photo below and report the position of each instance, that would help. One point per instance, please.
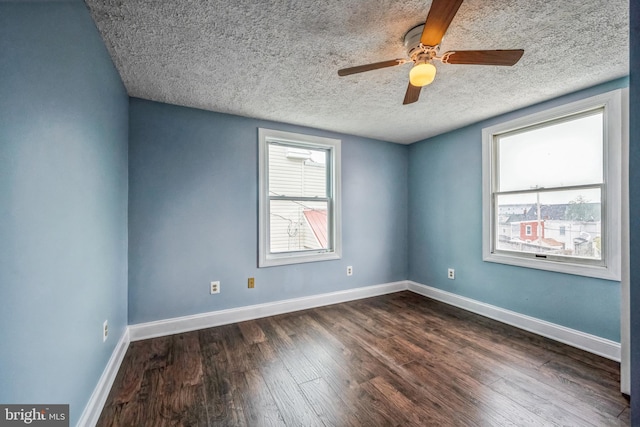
(177, 325)
(92, 410)
(591, 343)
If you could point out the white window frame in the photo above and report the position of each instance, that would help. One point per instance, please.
(266, 258)
(612, 103)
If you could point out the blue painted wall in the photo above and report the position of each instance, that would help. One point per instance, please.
(63, 204)
(193, 213)
(634, 207)
(193, 206)
(445, 217)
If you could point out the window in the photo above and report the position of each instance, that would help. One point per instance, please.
(299, 201)
(552, 189)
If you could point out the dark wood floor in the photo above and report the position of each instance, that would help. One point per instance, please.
(399, 359)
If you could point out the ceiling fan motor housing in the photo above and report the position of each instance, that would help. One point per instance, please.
(418, 52)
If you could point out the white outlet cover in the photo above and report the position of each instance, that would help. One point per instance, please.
(105, 330)
(349, 270)
(215, 287)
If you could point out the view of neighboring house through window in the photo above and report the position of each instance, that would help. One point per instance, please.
(299, 200)
(551, 176)
(552, 189)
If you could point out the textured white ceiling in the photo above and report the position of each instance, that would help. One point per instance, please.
(278, 60)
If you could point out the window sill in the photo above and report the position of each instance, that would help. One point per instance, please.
(594, 271)
(287, 259)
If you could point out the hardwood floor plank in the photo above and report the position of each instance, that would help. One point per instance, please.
(237, 350)
(127, 385)
(361, 357)
(488, 401)
(288, 396)
(463, 366)
(129, 379)
(380, 406)
(259, 407)
(338, 318)
(191, 374)
(222, 408)
(546, 406)
(625, 417)
(182, 397)
(364, 361)
(595, 379)
(329, 407)
(455, 406)
(341, 372)
(549, 385)
(394, 360)
(611, 404)
(405, 411)
(251, 332)
(359, 314)
(557, 350)
(284, 348)
(325, 340)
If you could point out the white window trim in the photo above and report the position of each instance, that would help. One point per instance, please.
(265, 257)
(613, 162)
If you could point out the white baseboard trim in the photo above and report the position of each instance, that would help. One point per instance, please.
(92, 410)
(591, 343)
(194, 322)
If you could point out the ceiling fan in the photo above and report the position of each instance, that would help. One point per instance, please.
(423, 45)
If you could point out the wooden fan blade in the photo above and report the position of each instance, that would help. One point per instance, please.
(483, 57)
(412, 95)
(369, 67)
(440, 16)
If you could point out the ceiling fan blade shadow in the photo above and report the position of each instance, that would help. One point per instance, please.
(440, 16)
(483, 57)
(369, 67)
(412, 94)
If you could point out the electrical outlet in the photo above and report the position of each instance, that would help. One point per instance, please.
(451, 273)
(251, 283)
(105, 330)
(215, 287)
(349, 271)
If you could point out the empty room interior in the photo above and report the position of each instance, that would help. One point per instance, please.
(320, 213)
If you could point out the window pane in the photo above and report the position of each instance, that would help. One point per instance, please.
(296, 171)
(559, 155)
(298, 226)
(564, 223)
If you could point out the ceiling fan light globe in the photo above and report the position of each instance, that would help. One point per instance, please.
(422, 74)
